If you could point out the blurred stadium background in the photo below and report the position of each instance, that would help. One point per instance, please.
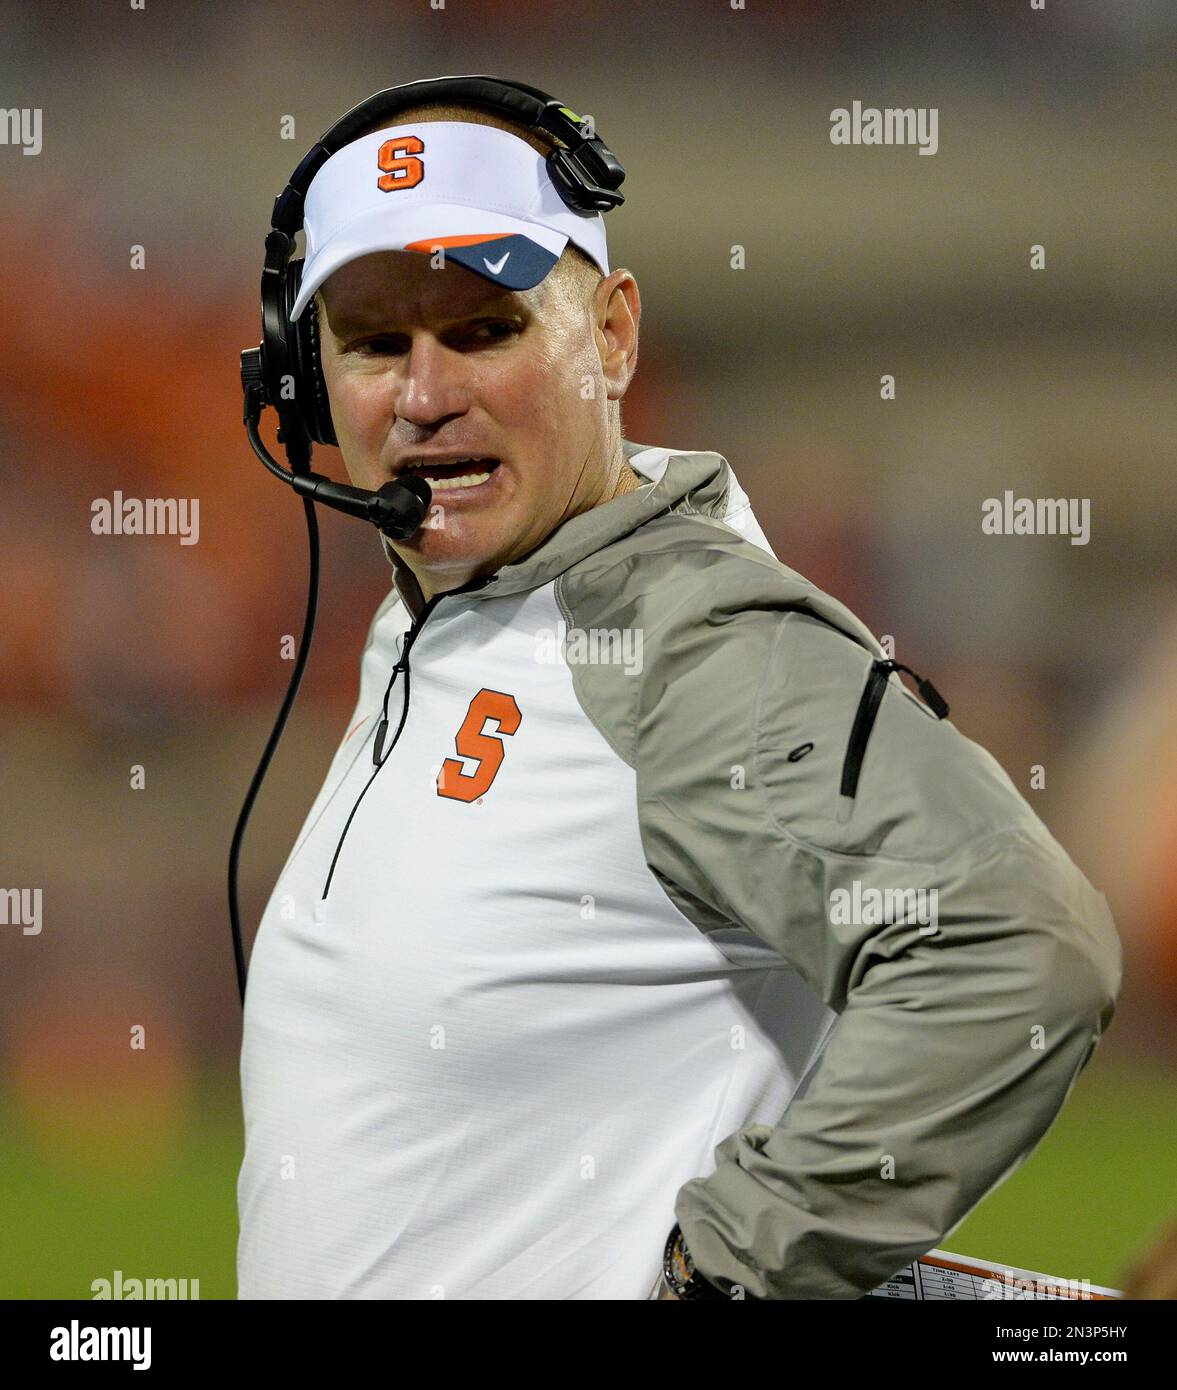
(162, 128)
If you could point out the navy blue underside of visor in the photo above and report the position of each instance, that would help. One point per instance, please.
(525, 265)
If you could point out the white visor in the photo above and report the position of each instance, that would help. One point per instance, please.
(479, 193)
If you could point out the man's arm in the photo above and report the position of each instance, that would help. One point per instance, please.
(955, 1048)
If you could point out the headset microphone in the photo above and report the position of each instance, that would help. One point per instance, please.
(397, 508)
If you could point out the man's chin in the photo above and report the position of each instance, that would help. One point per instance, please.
(444, 563)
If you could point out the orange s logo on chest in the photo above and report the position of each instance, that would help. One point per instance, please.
(397, 158)
(472, 743)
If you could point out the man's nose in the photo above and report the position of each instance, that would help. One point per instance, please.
(432, 384)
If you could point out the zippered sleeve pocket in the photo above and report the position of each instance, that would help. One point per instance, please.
(844, 762)
(868, 709)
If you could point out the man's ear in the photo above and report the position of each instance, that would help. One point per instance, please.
(617, 305)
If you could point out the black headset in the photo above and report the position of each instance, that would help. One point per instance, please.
(285, 370)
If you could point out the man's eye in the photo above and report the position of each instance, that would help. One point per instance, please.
(491, 331)
(507, 327)
(374, 345)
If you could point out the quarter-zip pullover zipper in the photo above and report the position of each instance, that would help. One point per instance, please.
(379, 754)
(868, 708)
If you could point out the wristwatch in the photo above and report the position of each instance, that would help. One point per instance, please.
(680, 1274)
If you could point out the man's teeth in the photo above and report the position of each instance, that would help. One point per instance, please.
(467, 480)
(451, 481)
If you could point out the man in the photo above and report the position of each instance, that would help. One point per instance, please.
(677, 931)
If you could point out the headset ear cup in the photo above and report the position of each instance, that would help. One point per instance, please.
(309, 407)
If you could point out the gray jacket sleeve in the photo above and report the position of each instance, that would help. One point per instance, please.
(955, 1047)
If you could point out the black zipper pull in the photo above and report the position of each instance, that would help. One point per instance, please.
(868, 708)
(928, 692)
(382, 727)
(378, 746)
(402, 665)
(400, 668)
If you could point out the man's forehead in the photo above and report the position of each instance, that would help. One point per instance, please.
(390, 284)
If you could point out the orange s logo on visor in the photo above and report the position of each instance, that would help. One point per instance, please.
(401, 168)
(470, 741)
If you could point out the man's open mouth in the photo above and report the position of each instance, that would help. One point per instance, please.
(469, 472)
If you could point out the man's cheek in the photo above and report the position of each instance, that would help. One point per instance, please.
(360, 428)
